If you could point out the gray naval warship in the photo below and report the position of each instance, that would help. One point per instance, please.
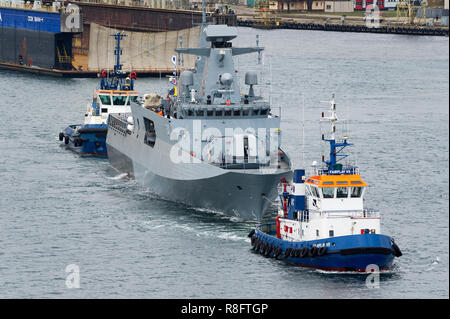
(208, 146)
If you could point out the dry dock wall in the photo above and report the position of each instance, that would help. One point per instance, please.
(25, 47)
(140, 50)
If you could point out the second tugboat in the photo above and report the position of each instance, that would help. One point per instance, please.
(114, 96)
(322, 223)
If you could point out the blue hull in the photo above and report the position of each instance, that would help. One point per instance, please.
(343, 253)
(86, 139)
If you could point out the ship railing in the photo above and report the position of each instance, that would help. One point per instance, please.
(269, 228)
(345, 170)
(148, 4)
(246, 163)
(31, 6)
(118, 124)
(365, 213)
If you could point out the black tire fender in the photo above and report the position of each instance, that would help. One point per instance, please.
(313, 251)
(322, 251)
(304, 252)
(287, 252)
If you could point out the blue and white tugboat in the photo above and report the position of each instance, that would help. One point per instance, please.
(114, 96)
(322, 222)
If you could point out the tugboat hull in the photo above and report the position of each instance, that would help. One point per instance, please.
(343, 253)
(87, 140)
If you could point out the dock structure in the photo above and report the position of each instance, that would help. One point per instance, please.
(394, 29)
(136, 17)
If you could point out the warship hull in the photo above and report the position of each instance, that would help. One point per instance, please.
(233, 193)
(245, 193)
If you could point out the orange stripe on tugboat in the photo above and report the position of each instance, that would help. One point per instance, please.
(336, 180)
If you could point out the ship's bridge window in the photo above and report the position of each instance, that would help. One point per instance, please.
(132, 99)
(105, 99)
(308, 190)
(342, 192)
(328, 192)
(315, 191)
(356, 192)
(119, 99)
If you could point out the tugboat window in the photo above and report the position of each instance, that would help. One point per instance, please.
(328, 192)
(356, 192)
(131, 99)
(105, 99)
(150, 133)
(316, 191)
(119, 99)
(218, 112)
(342, 192)
(227, 113)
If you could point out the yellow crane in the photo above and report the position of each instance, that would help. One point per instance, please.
(407, 12)
(263, 16)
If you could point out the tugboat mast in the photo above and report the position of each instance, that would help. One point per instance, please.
(116, 79)
(118, 51)
(335, 147)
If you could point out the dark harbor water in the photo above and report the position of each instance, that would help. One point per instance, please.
(57, 208)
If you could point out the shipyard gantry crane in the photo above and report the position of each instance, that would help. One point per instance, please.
(408, 12)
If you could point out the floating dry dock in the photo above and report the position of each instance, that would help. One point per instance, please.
(34, 37)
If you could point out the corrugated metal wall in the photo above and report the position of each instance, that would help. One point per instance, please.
(141, 50)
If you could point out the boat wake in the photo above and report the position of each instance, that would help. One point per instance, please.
(120, 176)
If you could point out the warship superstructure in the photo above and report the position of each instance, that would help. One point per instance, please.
(207, 145)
